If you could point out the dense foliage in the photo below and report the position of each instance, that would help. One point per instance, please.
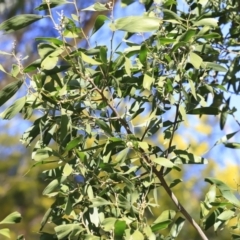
(97, 108)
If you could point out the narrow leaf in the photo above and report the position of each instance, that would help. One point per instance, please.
(99, 22)
(104, 127)
(52, 4)
(204, 111)
(164, 162)
(98, 201)
(12, 218)
(75, 142)
(5, 232)
(15, 108)
(96, 7)
(18, 22)
(223, 117)
(225, 190)
(214, 66)
(195, 60)
(147, 81)
(8, 91)
(232, 145)
(131, 24)
(212, 22)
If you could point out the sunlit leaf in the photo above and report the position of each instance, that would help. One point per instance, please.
(5, 232)
(63, 231)
(54, 185)
(99, 201)
(212, 22)
(12, 218)
(52, 4)
(131, 24)
(195, 60)
(96, 7)
(177, 227)
(214, 66)
(14, 109)
(233, 145)
(164, 162)
(225, 190)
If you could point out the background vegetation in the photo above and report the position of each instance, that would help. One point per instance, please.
(152, 85)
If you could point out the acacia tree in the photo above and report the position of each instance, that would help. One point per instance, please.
(103, 168)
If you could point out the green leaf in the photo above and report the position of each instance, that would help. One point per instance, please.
(204, 111)
(214, 66)
(131, 24)
(164, 162)
(212, 22)
(226, 215)
(67, 170)
(188, 35)
(160, 225)
(14, 109)
(52, 4)
(5, 232)
(143, 54)
(195, 60)
(89, 60)
(119, 228)
(45, 218)
(55, 41)
(42, 154)
(233, 145)
(193, 90)
(121, 156)
(12, 218)
(147, 81)
(223, 117)
(15, 70)
(8, 91)
(49, 63)
(104, 127)
(128, 66)
(137, 235)
(98, 201)
(75, 142)
(165, 215)
(108, 223)
(185, 157)
(208, 36)
(96, 7)
(63, 231)
(225, 138)
(170, 15)
(177, 227)
(65, 126)
(18, 22)
(54, 185)
(163, 41)
(175, 182)
(99, 22)
(225, 191)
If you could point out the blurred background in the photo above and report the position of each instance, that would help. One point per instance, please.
(21, 186)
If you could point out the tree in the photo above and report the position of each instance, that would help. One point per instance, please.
(101, 112)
